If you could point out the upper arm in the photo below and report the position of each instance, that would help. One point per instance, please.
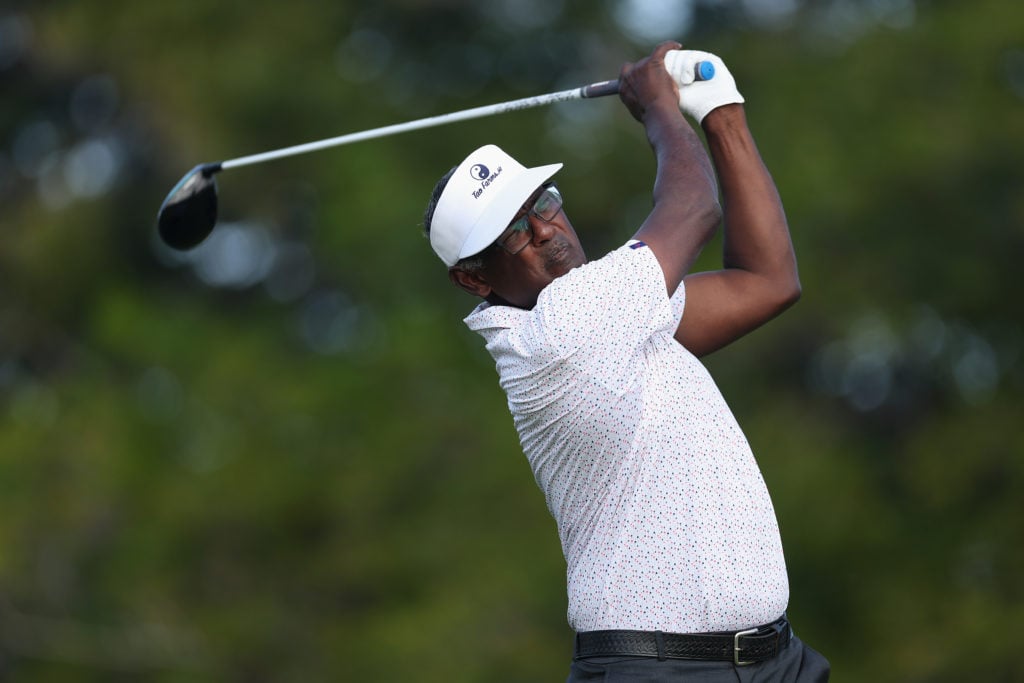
(724, 305)
(676, 235)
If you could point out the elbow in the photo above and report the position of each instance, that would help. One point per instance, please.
(779, 291)
(711, 215)
(788, 292)
(783, 281)
(794, 293)
(777, 299)
(713, 210)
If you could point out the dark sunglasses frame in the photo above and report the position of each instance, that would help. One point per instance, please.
(521, 225)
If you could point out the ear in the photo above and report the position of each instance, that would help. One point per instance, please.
(469, 282)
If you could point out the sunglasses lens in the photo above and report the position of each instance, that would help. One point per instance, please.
(517, 236)
(548, 204)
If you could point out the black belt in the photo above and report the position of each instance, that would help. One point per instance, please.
(740, 647)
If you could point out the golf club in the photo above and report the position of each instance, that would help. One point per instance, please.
(189, 212)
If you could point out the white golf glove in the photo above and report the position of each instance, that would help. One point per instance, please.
(698, 98)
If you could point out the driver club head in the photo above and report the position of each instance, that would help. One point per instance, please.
(189, 212)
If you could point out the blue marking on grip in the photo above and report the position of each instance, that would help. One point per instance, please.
(703, 71)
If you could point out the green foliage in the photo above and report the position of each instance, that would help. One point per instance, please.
(308, 472)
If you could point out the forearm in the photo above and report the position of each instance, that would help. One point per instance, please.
(756, 233)
(686, 211)
(685, 176)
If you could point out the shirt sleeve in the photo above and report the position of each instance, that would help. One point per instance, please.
(678, 304)
(600, 315)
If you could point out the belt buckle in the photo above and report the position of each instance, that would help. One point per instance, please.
(736, 646)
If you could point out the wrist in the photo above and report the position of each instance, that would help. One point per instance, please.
(724, 118)
(661, 109)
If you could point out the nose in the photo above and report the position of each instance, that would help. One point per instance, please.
(542, 230)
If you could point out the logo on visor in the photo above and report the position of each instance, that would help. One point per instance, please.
(484, 175)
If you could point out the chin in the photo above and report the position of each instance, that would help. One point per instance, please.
(564, 259)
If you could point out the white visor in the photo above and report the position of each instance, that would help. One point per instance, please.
(479, 201)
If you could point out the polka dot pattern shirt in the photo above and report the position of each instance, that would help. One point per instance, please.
(664, 518)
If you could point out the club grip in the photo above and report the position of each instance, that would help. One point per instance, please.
(602, 89)
(702, 71)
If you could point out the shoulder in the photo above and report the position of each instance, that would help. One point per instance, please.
(620, 271)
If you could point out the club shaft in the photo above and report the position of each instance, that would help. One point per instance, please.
(600, 89)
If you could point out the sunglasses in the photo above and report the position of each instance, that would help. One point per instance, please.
(519, 233)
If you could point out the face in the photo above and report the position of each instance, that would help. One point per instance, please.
(553, 249)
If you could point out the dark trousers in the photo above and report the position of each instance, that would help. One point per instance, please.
(797, 663)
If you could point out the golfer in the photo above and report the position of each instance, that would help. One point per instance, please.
(674, 562)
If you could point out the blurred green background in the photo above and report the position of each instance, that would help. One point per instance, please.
(282, 457)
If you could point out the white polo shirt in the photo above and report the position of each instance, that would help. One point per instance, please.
(664, 518)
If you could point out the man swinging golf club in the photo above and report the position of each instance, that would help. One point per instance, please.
(674, 561)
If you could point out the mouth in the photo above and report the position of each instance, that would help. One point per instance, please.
(563, 257)
(557, 255)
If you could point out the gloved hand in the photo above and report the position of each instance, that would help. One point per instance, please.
(698, 98)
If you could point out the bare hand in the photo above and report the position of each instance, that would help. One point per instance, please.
(646, 84)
